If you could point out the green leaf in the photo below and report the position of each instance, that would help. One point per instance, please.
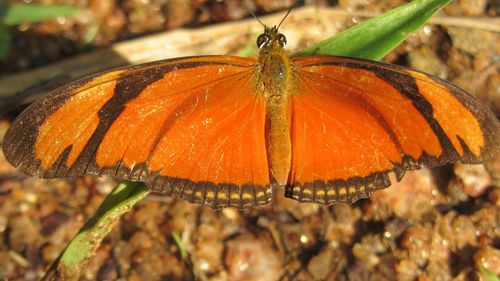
(19, 13)
(5, 40)
(376, 37)
(73, 259)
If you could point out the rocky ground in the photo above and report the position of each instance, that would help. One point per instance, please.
(436, 224)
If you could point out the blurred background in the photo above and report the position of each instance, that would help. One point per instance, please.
(436, 224)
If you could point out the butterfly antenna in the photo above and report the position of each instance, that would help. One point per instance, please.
(287, 13)
(251, 13)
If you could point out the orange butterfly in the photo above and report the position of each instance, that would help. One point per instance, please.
(223, 130)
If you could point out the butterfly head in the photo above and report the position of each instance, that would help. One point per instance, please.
(271, 39)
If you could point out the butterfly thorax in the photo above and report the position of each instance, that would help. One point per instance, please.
(274, 63)
(275, 82)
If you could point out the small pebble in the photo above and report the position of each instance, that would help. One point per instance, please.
(475, 179)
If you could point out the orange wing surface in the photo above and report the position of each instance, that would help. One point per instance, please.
(354, 121)
(192, 128)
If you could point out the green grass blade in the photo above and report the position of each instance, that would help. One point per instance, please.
(180, 245)
(19, 13)
(91, 33)
(376, 37)
(5, 40)
(72, 261)
(490, 276)
(3, 9)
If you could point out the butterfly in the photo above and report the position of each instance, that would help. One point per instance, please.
(224, 130)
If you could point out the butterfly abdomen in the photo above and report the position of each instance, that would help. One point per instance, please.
(278, 139)
(275, 82)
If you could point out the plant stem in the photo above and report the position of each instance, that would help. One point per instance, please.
(73, 260)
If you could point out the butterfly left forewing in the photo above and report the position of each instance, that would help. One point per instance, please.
(354, 121)
(185, 126)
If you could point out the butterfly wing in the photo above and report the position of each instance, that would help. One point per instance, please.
(354, 121)
(184, 126)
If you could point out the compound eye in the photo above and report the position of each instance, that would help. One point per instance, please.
(263, 41)
(281, 40)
